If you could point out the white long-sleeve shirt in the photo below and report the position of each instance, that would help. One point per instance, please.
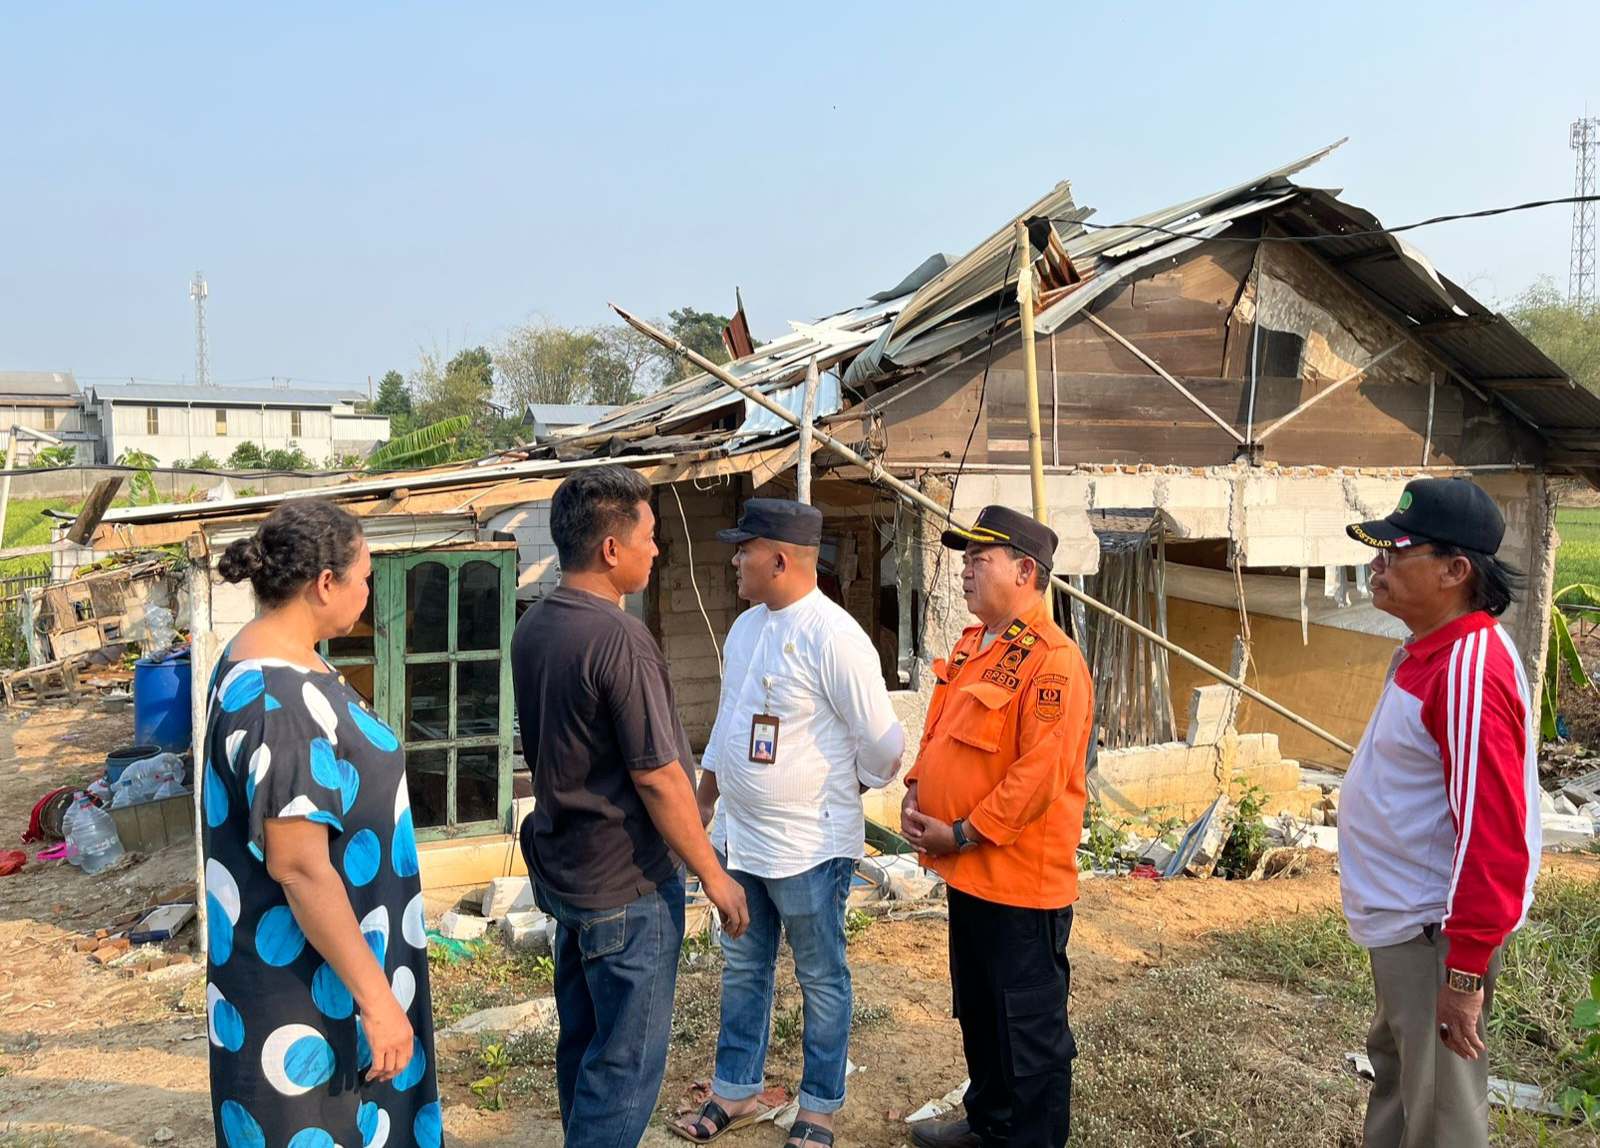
(810, 665)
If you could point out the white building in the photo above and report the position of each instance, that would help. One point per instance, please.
(185, 422)
(46, 401)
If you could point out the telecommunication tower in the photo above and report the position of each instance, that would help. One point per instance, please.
(202, 368)
(1585, 142)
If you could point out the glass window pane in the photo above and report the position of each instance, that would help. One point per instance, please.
(427, 608)
(428, 778)
(358, 642)
(477, 785)
(360, 678)
(478, 699)
(478, 611)
(428, 702)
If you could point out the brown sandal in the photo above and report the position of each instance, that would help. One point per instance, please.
(717, 1116)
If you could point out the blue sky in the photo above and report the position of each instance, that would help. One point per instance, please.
(359, 182)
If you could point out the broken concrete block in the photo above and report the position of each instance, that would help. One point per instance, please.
(1211, 710)
(529, 932)
(462, 927)
(521, 1017)
(1565, 805)
(1547, 804)
(1566, 829)
(508, 895)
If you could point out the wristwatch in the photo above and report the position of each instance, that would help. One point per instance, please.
(958, 830)
(1462, 982)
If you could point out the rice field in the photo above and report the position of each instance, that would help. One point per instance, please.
(1578, 558)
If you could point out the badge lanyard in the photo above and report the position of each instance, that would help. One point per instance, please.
(764, 730)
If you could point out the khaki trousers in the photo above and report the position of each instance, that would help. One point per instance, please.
(1424, 1095)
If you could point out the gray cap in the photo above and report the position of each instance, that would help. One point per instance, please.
(778, 519)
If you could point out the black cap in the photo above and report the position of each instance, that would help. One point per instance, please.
(778, 519)
(1448, 510)
(1002, 526)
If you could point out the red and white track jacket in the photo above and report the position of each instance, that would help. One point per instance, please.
(1439, 815)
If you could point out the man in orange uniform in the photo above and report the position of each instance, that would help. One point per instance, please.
(995, 805)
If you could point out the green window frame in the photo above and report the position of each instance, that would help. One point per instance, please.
(453, 707)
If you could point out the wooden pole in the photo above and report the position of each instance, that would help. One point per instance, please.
(5, 484)
(808, 416)
(1030, 370)
(876, 473)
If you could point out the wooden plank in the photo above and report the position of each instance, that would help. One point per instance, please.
(94, 509)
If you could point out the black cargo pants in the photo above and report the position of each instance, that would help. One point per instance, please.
(1009, 970)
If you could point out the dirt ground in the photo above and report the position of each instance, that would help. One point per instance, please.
(91, 1057)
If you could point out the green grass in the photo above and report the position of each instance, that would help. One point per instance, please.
(26, 525)
(1578, 558)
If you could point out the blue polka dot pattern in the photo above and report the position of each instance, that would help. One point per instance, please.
(227, 1026)
(403, 849)
(279, 940)
(219, 931)
(309, 1062)
(273, 703)
(349, 785)
(312, 1138)
(380, 735)
(428, 1127)
(245, 688)
(362, 856)
(216, 798)
(363, 1048)
(416, 1068)
(329, 994)
(324, 765)
(239, 1128)
(367, 1121)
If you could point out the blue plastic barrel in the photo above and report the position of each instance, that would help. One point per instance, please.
(121, 759)
(161, 713)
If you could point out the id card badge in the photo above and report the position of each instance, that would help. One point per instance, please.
(764, 739)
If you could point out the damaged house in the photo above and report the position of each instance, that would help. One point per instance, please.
(1223, 385)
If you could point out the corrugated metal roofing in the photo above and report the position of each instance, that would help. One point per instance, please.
(53, 384)
(224, 396)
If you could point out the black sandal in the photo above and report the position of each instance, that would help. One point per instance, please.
(717, 1116)
(810, 1133)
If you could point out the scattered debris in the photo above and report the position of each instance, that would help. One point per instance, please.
(1201, 848)
(163, 1135)
(530, 932)
(1502, 1093)
(936, 1108)
(1566, 829)
(462, 926)
(1585, 789)
(524, 1017)
(1282, 861)
(508, 895)
(162, 924)
(11, 860)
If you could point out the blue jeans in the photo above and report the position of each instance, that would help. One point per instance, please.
(811, 907)
(616, 970)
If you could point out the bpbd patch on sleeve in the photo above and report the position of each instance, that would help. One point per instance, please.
(1049, 691)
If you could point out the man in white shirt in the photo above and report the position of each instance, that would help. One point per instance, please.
(804, 727)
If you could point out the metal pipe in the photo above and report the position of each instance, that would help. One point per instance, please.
(877, 474)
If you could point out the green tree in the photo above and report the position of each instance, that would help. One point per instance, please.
(288, 458)
(247, 456)
(542, 362)
(463, 386)
(699, 331)
(1567, 332)
(54, 456)
(394, 397)
(142, 488)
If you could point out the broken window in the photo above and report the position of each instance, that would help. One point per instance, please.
(1132, 687)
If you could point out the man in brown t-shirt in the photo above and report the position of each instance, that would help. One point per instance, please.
(614, 809)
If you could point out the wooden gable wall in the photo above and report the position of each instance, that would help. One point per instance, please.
(1195, 316)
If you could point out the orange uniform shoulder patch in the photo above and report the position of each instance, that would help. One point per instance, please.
(1047, 696)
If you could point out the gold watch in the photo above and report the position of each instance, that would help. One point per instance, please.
(1463, 982)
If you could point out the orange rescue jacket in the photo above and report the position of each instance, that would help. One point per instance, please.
(1004, 746)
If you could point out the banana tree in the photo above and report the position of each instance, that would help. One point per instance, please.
(1563, 652)
(426, 446)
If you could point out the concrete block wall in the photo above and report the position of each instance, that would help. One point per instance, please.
(691, 649)
(537, 569)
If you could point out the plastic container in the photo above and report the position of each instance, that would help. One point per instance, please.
(95, 836)
(161, 706)
(68, 821)
(121, 759)
(144, 780)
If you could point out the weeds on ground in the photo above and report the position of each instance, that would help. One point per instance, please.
(1106, 836)
(1309, 952)
(856, 924)
(868, 1016)
(484, 974)
(788, 1026)
(14, 1138)
(1247, 840)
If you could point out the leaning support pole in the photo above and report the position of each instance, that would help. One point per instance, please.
(911, 494)
(1030, 375)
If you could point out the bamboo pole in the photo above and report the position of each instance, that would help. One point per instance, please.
(808, 417)
(877, 474)
(1030, 370)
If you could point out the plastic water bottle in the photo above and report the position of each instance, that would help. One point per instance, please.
(95, 835)
(68, 820)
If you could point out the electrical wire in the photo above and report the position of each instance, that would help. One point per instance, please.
(688, 536)
(1363, 234)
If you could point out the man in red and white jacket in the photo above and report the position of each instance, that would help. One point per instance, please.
(1439, 816)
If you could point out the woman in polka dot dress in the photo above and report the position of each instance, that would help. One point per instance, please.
(317, 986)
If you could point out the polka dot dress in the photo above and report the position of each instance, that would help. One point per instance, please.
(287, 1049)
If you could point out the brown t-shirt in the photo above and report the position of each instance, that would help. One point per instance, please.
(595, 703)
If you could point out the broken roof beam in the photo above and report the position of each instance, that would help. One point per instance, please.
(1163, 372)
